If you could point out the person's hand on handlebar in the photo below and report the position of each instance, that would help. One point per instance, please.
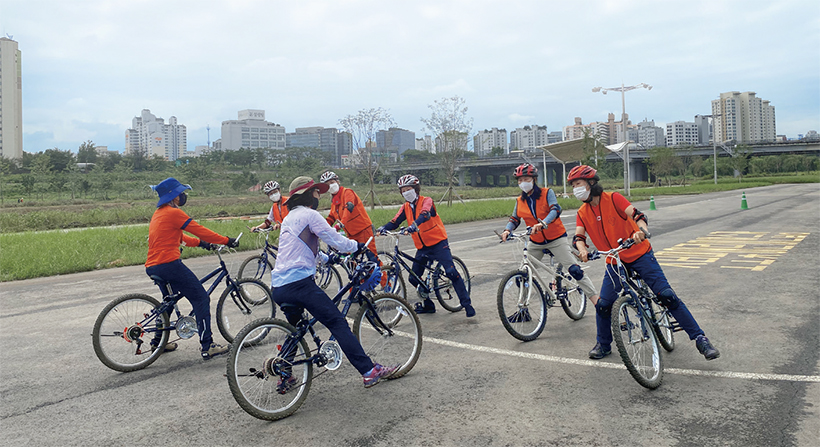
(206, 245)
(363, 249)
(232, 243)
(504, 235)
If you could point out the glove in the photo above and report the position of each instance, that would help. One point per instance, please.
(381, 231)
(361, 248)
(206, 245)
(411, 229)
(232, 243)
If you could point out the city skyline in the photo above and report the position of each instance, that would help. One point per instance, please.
(87, 70)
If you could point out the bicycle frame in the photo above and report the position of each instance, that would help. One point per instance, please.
(428, 265)
(526, 266)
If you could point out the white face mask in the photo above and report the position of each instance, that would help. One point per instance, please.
(525, 186)
(581, 192)
(275, 197)
(334, 188)
(409, 195)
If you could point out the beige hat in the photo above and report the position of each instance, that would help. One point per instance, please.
(304, 184)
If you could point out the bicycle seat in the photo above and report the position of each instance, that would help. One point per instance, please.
(546, 251)
(288, 308)
(163, 285)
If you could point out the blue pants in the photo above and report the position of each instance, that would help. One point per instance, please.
(305, 294)
(649, 269)
(441, 253)
(183, 280)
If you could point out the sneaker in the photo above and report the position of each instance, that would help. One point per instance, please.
(284, 385)
(170, 346)
(469, 310)
(598, 352)
(520, 316)
(214, 350)
(426, 308)
(378, 372)
(705, 347)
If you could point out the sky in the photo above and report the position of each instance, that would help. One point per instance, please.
(91, 66)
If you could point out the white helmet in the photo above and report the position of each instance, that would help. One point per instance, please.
(270, 186)
(407, 180)
(328, 176)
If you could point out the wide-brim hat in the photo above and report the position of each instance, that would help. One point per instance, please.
(168, 190)
(303, 184)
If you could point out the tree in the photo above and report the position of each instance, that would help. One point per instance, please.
(449, 123)
(496, 151)
(416, 156)
(87, 153)
(740, 160)
(593, 149)
(662, 162)
(363, 127)
(686, 158)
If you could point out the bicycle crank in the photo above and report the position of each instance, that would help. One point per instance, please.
(186, 327)
(332, 353)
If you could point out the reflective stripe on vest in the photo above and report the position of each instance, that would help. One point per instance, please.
(606, 229)
(554, 230)
(431, 232)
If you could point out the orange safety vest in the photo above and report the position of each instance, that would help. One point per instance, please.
(279, 210)
(605, 229)
(553, 231)
(431, 232)
(354, 221)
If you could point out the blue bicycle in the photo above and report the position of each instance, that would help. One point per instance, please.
(259, 266)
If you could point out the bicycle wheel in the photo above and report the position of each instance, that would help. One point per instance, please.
(662, 325)
(237, 307)
(445, 292)
(256, 366)
(637, 343)
(575, 304)
(394, 281)
(256, 266)
(523, 310)
(119, 336)
(328, 279)
(401, 348)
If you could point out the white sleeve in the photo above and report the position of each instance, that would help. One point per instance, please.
(319, 227)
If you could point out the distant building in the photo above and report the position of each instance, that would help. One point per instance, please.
(744, 118)
(608, 132)
(812, 135)
(151, 136)
(682, 133)
(395, 140)
(528, 138)
(485, 140)
(325, 138)
(425, 144)
(11, 99)
(648, 135)
(251, 131)
(554, 137)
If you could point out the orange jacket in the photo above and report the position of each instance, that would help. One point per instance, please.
(347, 208)
(165, 235)
(277, 212)
(606, 225)
(431, 232)
(553, 231)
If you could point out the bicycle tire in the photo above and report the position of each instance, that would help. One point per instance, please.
(256, 266)
(445, 292)
(112, 348)
(250, 370)
(403, 348)
(395, 280)
(250, 300)
(328, 279)
(575, 304)
(662, 325)
(637, 343)
(527, 321)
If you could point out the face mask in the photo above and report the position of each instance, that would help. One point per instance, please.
(315, 203)
(525, 186)
(183, 198)
(409, 195)
(334, 188)
(275, 197)
(581, 192)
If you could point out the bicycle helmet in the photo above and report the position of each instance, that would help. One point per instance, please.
(328, 176)
(407, 180)
(525, 170)
(372, 276)
(270, 186)
(582, 172)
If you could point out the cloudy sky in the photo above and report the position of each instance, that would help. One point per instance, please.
(90, 66)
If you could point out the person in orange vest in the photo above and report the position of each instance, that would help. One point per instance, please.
(430, 239)
(607, 217)
(347, 208)
(539, 209)
(278, 210)
(165, 234)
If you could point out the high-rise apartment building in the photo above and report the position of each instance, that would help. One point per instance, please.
(395, 140)
(648, 135)
(554, 137)
(528, 138)
(682, 133)
(425, 144)
(251, 131)
(151, 136)
(743, 117)
(11, 99)
(486, 140)
(328, 139)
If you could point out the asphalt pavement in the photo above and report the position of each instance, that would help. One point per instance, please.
(750, 278)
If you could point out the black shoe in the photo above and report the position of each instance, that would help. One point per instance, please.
(598, 352)
(705, 347)
(427, 308)
(469, 310)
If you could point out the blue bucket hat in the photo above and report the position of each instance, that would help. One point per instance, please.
(168, 190)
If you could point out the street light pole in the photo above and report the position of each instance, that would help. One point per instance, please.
(714, 142)
(623, 89)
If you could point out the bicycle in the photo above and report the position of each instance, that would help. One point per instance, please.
(524, 315)
(260, 265)
(434, 282)
(127, 322)
(270, 365)
(640, 322)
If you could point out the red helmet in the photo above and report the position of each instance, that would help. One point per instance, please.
(525, 169)
(582, 172)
